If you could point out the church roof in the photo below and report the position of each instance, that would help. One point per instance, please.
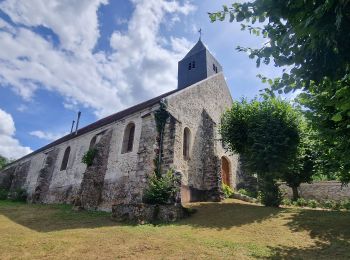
(197, 48)
(102, 122)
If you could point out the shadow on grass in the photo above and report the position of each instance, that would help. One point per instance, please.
(227, 215)
(46, 218)
(330, 229)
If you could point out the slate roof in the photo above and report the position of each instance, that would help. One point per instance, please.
(197, 48)
(102, 122)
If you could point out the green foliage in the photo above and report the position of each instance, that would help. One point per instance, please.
(301, 202)
(161, 190)
(345, 204)
(319, 176)
(328, 204)
(301, 168)
(89, 156)
(161, 115)
(270, 194)
(332, 125)
(3, 194)
(312, 203)
(19, 195)
(337, 205)
(267, 135)
(286, 201)
(311, 40)
(243, 192)
(249, 193)
(3, 161)
(227, 190)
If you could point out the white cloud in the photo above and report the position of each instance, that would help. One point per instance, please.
(9, 145)
(140, 66)
(75, 21)
(47, 135)
(22, 108)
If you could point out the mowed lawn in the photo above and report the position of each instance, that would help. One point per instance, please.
(228, 230)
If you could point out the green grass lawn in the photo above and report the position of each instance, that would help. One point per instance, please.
(228, 230)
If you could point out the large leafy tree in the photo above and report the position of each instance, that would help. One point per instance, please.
(311, 40)
(267, 135)
(302, 166)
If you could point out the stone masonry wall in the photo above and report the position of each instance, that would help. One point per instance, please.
(6, 177)
(20, 176)
(320, 191)
(187, 105)
(92, 184)
(210, 161)
(45, 176)
(167, 161)
(128, 189)
(125, 172)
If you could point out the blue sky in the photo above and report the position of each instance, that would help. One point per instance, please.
(98, 56)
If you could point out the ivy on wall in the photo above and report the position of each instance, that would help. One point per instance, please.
(161, 115)
(89, 156)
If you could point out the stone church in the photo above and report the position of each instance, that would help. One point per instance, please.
(125, 143)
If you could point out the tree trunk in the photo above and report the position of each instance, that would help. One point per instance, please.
(295, 193)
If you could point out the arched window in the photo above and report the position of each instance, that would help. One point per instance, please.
(186, 143)
(65, 159)
(92, 142)
(128, 140)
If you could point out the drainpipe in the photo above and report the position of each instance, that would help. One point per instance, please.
(160, 151)
(76, 127)
(71, 129)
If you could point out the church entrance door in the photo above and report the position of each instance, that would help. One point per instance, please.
(225, 171)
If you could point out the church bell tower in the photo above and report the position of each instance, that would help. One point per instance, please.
(197, 65)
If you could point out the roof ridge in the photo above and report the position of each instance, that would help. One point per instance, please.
(101, 122)
(199, 46)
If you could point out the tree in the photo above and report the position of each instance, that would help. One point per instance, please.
(311, 40)
(301, 167)
(3, 161)
(333, 132)
(267, 135)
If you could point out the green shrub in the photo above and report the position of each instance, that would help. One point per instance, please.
(161, 190)
(286, 202)
(259, 197)
(336, 205)
(248, 193)
(312, 203)
(252, 194)
(270, 194)
(19, 195)
(328, 204)
(345, 204)
(301, 202)
(227, 190)
(243, 192)
(89, 156)
(3, 194)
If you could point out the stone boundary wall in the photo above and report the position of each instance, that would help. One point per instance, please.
(320, 191)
